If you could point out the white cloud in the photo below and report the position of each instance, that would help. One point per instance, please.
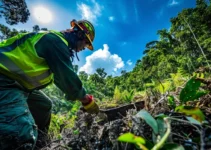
(111, 18)
(90, 12)
(173, 3)
(129, 62)
(102, 58)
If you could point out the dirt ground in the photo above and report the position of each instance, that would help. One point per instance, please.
(100, 132)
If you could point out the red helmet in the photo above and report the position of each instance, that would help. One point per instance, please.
(86, 26)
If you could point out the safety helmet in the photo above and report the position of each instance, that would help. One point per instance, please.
(88, 29)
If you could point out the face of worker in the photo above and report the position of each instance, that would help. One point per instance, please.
(81, 44)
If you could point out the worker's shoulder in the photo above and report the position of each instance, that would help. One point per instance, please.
(51, 40)
(52, 36)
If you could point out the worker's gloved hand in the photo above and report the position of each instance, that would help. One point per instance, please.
(90, 105)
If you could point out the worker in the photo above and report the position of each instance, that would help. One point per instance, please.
(30, 62)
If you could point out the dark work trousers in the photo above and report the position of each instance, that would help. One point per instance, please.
(40, 107)
(24, 116)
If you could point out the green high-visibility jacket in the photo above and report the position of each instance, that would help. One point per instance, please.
(27, 59)
(19, 61)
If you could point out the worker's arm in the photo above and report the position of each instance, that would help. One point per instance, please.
(57, 55)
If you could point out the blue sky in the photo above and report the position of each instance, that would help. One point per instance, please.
(123, 27)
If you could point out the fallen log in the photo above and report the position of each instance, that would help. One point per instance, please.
(121, 111)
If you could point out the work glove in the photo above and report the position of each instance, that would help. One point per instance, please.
(90, 106)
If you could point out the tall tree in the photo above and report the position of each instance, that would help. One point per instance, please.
(6, 32)
(75, 68)
(14, 11)
(36, 28)
(83, 76)
(101, 72)
(44, 29)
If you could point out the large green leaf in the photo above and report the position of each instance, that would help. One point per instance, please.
(193, 121)
(191, 90)
(160, 116)
(149, 120)
(161, 126)
(131, 138)
(161, 129)
(195, 112)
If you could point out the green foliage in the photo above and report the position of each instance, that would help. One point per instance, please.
(14, 11)
(178, 79)
(117, 94)
(83, 76)
(57, 121)
(164, 86)
(131, 138)
(161, 131)
(171, 101)
(161, 127)
(193, 121)
(127, 96)
(149, 120)
(198, 75)
(74, 109)
(191, 90)
(141, 93)
(75, 68)
(64, 112)
(60, 121)
(60, 104)
(76, 132)
(101, 72)
(196, 113)
(182, 71)
(36, 28)
(6, 32)
(150, 85)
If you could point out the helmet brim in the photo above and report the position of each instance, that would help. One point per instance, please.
(90, 47)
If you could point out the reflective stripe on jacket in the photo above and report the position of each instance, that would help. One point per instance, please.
(20, 61)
